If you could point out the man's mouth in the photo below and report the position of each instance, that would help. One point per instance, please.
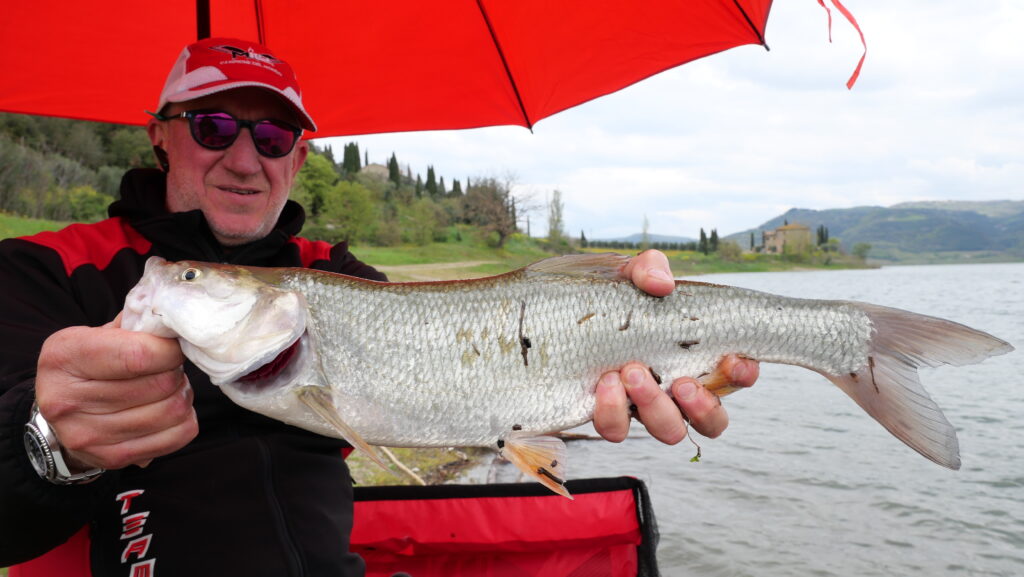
(242, 191)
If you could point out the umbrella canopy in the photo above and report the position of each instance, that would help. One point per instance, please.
(367, 67)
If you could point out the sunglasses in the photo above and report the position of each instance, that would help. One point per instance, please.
(218, 130)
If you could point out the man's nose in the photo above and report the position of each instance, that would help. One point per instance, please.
(242, 157)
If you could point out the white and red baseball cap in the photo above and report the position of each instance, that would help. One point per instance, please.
(217, 64)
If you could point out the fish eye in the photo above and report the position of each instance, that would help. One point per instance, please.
(190, 274)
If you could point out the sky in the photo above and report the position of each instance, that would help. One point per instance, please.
(729, 141)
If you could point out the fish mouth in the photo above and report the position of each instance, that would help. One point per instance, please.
(270, 374)
(275, 366)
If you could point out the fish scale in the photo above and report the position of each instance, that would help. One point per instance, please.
(460, 351)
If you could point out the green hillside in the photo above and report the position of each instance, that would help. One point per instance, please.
(919, 232)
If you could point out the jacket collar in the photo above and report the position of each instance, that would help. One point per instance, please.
(186, 235)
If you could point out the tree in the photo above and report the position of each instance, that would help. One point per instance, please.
(394, 173)
(583, 240)
(703, 244)
(713, 242)
(488, 205)
(456, 188)
(556, 228)
(420, 221)
(350, 159)
(861, 250)
(87, 205)
(645, 238)
(349, 214)
(431, 186)
(751, 241)
(730, 251)
(314, 180)
(822, 233)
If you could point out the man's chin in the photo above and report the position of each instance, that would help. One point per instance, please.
(229, 237)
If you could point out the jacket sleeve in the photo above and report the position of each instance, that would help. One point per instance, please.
(38, 300)
(344, 262)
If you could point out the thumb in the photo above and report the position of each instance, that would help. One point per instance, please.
(116, 323)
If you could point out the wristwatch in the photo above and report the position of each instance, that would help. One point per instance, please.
(44, 452)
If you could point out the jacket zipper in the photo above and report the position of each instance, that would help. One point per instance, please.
(292, 556)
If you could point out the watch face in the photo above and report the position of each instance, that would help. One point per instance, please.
(36, 454)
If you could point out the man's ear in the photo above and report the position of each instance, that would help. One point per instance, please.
(156, 133)
(299, 158)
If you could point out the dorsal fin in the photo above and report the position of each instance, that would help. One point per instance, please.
(607, 265)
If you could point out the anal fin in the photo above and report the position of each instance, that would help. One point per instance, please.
(320, 401)
(718, 382)
(539, 456)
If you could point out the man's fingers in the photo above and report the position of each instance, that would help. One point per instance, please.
(702, 407)
(655, 409)
(651, 273)
(611, 412)
(107, 353)
(107, 397)
(743, 372)
(140, 450)
(133, 435)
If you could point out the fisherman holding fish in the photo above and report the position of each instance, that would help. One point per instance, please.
(113, 433)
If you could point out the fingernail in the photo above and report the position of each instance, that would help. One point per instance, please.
(739, 373)
(610, 380)
(686, 390)
(659, 274)
(635, 377)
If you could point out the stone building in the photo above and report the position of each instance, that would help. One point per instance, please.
(792, 238)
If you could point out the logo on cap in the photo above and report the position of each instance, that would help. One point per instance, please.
(236, 52)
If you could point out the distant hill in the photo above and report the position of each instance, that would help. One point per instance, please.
(918, 231)
(639, 238)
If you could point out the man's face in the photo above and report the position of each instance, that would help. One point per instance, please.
(240, 192)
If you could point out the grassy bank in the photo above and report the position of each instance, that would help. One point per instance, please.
(20, 226)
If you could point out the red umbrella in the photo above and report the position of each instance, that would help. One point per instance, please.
(368, 67)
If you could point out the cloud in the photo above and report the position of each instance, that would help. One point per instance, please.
(732, 140)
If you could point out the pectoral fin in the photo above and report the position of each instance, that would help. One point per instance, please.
(539, 456)
(320, 401)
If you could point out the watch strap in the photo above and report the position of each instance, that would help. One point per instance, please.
(51, 464)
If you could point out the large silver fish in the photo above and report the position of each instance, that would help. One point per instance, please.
(500, 361)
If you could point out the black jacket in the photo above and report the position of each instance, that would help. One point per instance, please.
(249, 496)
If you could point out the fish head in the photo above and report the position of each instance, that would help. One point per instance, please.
(228, 322)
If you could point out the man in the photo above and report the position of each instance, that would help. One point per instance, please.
(162, 468)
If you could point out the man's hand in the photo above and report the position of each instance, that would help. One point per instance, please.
(113, 397)
(634, 385)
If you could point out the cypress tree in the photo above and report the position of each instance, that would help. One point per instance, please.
(394, 174)
(431, 185)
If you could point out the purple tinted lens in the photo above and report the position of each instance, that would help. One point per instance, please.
(214, 129)
(272, 138)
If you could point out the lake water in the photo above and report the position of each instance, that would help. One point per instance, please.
(805, 483)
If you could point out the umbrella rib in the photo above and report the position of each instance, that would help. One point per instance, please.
(750, 23)
(202, 19)
(258, 5)
(504, 62)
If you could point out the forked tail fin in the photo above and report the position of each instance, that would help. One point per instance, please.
(888, 388)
